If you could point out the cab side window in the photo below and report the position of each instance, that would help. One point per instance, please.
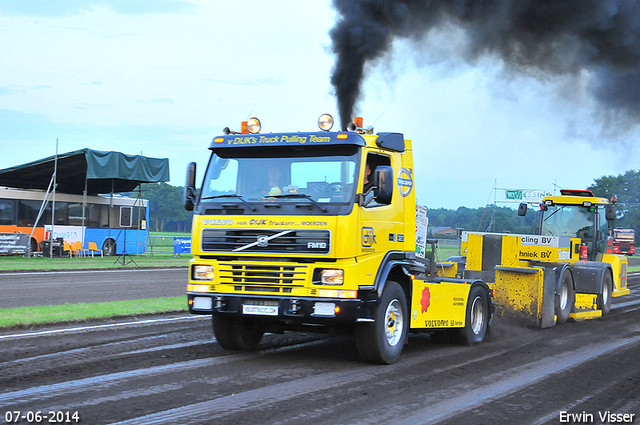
(373, 162)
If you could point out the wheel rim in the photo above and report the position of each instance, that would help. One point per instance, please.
(564, 297)
(477, 315)
(394, 323)
(605, 294)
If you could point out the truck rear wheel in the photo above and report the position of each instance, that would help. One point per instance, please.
(476, 319)
(565, 297)
(382, 341)
(237, 333)
(604, 299)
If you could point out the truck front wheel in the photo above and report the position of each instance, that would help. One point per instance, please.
(237, 333)
(382, 340)
(477, 317)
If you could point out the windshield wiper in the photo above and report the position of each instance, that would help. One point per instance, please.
(232, 196)
(300, 195)
(553, 213)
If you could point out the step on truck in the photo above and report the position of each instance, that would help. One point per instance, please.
(565, 270)
(316, 231)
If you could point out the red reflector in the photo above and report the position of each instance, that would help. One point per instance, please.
(337, 309)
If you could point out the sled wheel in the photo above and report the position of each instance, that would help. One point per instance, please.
(604, 299)
(565, 297)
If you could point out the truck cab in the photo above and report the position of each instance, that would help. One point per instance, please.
(316, 231)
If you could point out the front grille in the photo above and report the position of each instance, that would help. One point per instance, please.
(267, 241)
(259, 276)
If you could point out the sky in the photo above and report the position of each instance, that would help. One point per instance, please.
(163, 77)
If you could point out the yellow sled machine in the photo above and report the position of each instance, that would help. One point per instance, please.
(565, 270)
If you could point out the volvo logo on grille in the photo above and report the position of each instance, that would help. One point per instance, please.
(263, 240)
(316, 245)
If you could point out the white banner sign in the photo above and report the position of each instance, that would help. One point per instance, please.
(525, 195)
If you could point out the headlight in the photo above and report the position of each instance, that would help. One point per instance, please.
(332, 277)
(325, 122)
(201, 272)
(253, 125)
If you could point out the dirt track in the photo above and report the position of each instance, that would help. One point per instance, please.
(171, 371)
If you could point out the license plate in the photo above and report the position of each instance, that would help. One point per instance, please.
(260, 310)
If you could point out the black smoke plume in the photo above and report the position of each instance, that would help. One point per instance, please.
(538, 37)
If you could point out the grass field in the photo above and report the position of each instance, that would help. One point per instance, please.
(73, 313)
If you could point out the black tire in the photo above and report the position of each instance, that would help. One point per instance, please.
(476, 319)
(237, 333)
(109, 248)
(565, 297)
(604, 298)
(382, 341)
(223, 331)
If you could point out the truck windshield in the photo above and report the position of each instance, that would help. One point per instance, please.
(258, 176)
(624, 234)
(568, 220)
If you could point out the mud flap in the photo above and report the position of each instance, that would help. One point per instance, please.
(525, 296)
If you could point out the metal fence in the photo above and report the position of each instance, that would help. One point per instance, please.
(449, 243)
(159, 245)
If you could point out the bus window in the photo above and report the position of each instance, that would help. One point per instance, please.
(7, 212)
(61, 213)
(28, 212)
(75, 214)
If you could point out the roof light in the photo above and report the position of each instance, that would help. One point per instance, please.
(325, 122)
(253, 125)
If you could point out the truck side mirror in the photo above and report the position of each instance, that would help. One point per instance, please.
(522, 209)
(611, 212)
(190, 187)
(384, 183)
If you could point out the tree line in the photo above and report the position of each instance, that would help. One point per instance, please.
(626, 187)
(167, 214)
(166, 208)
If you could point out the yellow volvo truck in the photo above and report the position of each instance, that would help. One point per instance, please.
(565, 270)
(315, 231)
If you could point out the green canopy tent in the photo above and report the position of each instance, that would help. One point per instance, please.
(86, 172)
(90, 170)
